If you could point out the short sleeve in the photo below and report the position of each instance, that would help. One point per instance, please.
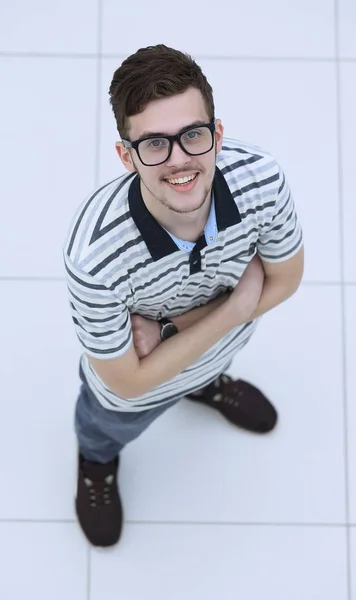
(281, 234)
(101, 321)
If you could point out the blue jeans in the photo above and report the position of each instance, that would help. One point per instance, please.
(102, 433)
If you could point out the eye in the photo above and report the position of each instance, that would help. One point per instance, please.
(193, 134)
(156, 143)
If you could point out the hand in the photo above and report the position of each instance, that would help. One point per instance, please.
(246, 295)
(146, 335)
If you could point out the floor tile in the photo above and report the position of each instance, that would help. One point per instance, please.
(347, 28)
(351, 394)
(40, 26)
(222, 562)
(353, 562)
(40, 385)
(191, 465)
(348, 130)
(279, 29)
(42, 561)
(47, 157)
(293, 120)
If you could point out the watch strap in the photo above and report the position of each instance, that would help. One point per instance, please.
(163, 323)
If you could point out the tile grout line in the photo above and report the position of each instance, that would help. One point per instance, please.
(92, 55)
(309, 525)
(342, 293)
(98, 96)
(97, 153)
(89, 572)
(251, 58)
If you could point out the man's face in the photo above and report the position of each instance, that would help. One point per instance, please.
(168, 116)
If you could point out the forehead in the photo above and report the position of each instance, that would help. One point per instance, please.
(169, 115)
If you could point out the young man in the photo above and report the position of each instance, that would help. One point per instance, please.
(169, 268)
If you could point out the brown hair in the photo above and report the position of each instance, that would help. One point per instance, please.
(152, 73)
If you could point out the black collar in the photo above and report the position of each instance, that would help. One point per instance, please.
(158, 241)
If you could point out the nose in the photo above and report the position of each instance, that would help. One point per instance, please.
(178, 156)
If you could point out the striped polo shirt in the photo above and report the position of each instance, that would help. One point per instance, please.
(118, 260)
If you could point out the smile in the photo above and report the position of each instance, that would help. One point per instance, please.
(182, 180)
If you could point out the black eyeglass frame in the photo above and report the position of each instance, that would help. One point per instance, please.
(171, 138)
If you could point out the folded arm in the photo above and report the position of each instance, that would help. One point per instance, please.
(282, 280)
(129, 376)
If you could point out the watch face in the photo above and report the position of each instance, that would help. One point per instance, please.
(168, 330)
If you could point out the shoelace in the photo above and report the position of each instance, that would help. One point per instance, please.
(99, 491)
(221, 383)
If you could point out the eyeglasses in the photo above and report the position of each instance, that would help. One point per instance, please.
(155, 150)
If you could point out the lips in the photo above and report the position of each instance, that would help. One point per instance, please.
(181, 180)
(182, 184)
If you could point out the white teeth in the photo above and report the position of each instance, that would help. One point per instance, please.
(182, 179)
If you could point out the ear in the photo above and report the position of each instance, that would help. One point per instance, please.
(125, 156)
(219, 135)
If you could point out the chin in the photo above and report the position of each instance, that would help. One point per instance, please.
(185, 209)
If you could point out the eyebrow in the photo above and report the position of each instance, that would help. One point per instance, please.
(148, 134)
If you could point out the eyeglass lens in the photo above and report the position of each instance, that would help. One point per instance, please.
(194, 141)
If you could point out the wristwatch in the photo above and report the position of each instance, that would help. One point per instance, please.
(167, 329)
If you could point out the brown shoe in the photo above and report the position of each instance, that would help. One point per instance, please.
(98, 503)
(240, 403)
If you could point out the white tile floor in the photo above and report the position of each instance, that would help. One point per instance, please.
(211, 512)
